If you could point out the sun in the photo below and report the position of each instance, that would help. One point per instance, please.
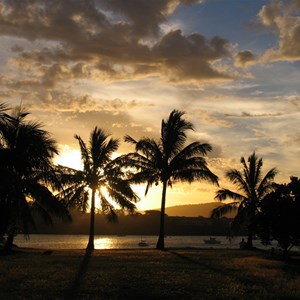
(149, 201)
(69, 157)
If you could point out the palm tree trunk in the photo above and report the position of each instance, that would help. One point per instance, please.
(249, 243)
(161, 239)
(90, 245)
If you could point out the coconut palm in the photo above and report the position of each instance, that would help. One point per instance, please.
(252, 188)
(102, 176)
(27, 175)
(167, 161)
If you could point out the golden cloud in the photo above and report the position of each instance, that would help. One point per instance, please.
(108, 40)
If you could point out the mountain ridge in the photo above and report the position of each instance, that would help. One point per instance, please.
(194, 210)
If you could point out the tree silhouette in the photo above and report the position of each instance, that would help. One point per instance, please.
(252, 188)
(27, 175)
(168, 161)
(279, 216)
(101, 175)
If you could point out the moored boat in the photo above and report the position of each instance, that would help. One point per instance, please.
(143, 243)
(212, 241)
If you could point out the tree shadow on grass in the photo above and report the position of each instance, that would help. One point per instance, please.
(230, 272)
(192, 261)
(73, 290)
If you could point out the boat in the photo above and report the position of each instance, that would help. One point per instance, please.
(212, 241)
(143, 243)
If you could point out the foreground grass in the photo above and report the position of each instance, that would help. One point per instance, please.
(148, 274)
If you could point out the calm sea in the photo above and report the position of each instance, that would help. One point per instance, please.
(51, 241)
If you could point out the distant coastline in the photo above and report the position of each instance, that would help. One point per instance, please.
(146, 223)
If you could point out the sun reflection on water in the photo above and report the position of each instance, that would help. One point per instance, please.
(104, 243)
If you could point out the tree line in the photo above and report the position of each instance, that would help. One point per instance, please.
(140, 224)
(32, 184)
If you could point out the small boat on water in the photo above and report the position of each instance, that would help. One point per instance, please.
(212, 241)
(143, 243)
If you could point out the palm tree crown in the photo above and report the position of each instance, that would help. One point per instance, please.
(27, 173)
(168, 161)
(252, 188)
(101, 175)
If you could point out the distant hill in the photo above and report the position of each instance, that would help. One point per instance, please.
(194, 210)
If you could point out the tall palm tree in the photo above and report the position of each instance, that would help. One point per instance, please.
(168, 161)
(101, 175)
(252, 188)
(27, 175)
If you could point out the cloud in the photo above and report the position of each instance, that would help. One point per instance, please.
(191, 57)
(245, 58)
(63, 101)
(295, 102)
(249, 115)
(108, 40)
(212, 119)
(283, 19)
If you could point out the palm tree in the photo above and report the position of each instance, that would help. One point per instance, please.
(4, 118)
(252, 188)
(101, 175)
(27, 175)
(168, 161)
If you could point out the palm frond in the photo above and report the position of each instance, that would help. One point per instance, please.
(195, 148)
(266, 185)
(117, 184)
(258, 172)
(236, 178)
(75, 196)
(224, 194)
(136, 161)
(224, 209)
(44, 198)
(191, 175)
(129, 139)
(173, 133)
(85, 155)
(101, 147)
(108, 209)
(124, 201)
(150, 149)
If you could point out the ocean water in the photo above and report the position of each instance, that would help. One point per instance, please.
(52, 241)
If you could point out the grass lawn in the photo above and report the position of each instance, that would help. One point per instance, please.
(148, 274)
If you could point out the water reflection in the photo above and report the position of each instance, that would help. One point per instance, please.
(104, 243)
(52, 241)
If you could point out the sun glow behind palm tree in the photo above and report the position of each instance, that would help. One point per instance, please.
(99, 170)
(70, 158)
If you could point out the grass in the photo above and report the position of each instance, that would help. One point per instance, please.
(148, 274)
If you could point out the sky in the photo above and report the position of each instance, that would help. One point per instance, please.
(233, 67)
